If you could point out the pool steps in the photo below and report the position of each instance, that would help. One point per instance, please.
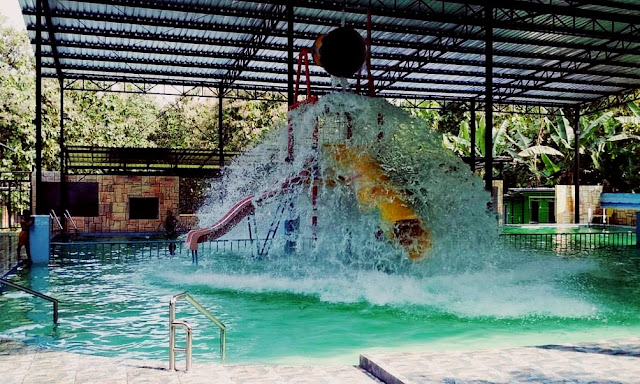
(174, 324)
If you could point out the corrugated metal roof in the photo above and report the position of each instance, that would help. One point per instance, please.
(552, 52)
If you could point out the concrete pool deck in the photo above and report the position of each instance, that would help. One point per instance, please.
(615, 361)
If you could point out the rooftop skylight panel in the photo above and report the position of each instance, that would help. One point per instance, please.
(582, 86)
(531, 100)
(522, 61)
(463, 56)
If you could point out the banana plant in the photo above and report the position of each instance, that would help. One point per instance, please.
(461, 144)
(528, 151)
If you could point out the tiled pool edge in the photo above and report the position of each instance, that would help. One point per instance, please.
(604, 361)
(25, 364)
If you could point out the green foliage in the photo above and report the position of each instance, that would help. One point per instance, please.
(102, 119)
(542, 148)
(17, 85)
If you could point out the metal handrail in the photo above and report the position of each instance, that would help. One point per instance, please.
(67, 214)
(35, 293)
(55, 217)
(173, 324)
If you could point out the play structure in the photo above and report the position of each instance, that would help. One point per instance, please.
(329, 158)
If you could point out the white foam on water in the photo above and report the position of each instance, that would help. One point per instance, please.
(533, 289)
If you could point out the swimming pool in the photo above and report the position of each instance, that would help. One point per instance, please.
(115, 308)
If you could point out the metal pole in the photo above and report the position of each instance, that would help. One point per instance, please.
(220, 128)
(472, 138)
(38, 119)
(63, 181)
(9, 203)
(488, 132)
(576, 170)
(290, 53)
(638, 230)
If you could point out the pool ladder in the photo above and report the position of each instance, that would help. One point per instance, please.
(173, 324)
(34, 293)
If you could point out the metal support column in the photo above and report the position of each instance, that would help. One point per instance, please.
(38, 119)
(576, 169)
(472, 136)
(64, 204)
(220, 127)
(488, 98)
(290, 53)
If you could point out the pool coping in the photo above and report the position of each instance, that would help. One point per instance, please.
(601, 361)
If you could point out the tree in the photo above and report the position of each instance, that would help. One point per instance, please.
(17, 85)
(101, 119)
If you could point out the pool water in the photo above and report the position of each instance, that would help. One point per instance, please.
(121, 309)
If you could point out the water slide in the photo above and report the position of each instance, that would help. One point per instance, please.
(374, 191)
(239, 211)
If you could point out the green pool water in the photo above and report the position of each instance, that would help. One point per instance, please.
(543, 229)
(121, 309)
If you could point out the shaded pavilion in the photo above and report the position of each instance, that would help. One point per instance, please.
(522, 56)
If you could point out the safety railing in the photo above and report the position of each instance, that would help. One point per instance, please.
(35, 293)
(67, 215)
(56, 219)
(173, 324)
(125, 250)
(569, 241)
(110, 251)
(249, 245)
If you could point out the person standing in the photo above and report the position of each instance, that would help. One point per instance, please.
(170, 231)
(26, 222)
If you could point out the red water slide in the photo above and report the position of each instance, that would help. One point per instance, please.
(239, 211)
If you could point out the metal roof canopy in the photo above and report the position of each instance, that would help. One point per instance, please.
(138, 161)
(551, 53)
(582, 55)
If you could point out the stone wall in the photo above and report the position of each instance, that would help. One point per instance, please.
(114, 192)
(498, 199)
(623, 217)
(589, 198)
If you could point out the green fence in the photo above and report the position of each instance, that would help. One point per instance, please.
(569, 241)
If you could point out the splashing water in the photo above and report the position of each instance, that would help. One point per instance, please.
(344, 258)
(352, 289)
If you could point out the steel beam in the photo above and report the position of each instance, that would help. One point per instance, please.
(265, 29)
(38, 118)
(290, 53)
(472, 136)
(488, 99)
(220, 126)
(576, 170)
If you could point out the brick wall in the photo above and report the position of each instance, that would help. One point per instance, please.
(114, 192)
(623, 217)
(589, 198)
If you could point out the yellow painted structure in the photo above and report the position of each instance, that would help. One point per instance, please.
(374, 190)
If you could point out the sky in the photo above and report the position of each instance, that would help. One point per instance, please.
(11, 9)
